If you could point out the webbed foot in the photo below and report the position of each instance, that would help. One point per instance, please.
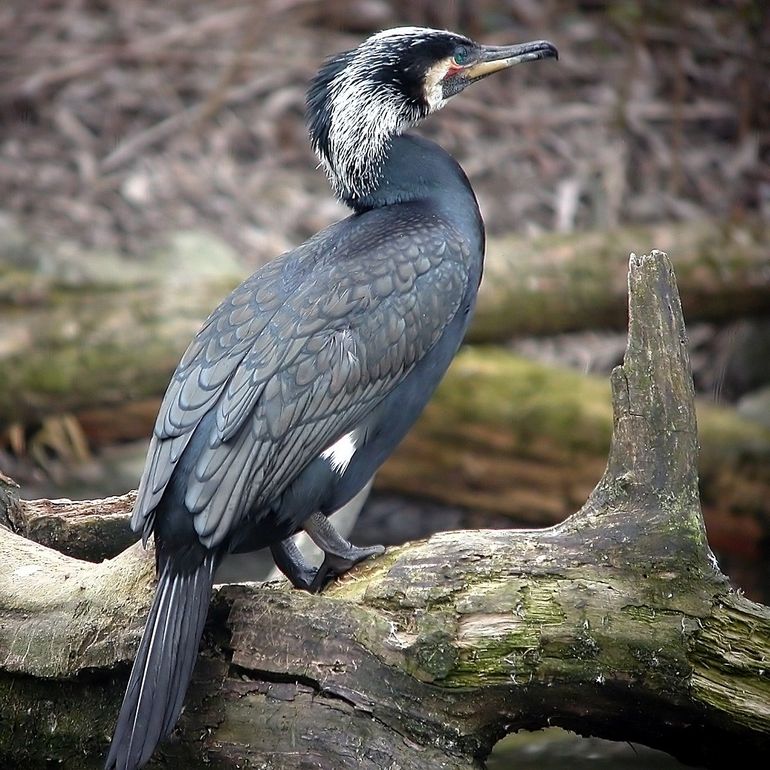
(289, 559)
(339, 554)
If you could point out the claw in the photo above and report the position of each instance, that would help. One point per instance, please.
(335, 564)
(340, 555)
(292, 563)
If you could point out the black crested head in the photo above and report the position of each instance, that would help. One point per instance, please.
(361, 98)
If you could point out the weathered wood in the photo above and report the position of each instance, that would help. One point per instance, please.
(510, 436)
(90, 530)
(615, 623)
(103, 331)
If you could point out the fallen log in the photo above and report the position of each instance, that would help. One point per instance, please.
(615, 623)
(556, 283)
(99, 330)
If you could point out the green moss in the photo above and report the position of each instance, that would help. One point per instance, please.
(508, 642)
(432, 656)
(537, 402)
(496, 660)
(68, 722)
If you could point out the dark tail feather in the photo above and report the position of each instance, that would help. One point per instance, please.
(163, 665)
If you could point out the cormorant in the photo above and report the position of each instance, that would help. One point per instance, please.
(307, 376)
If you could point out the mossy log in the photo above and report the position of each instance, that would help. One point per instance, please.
(556, 283)
(102, 330)
(98, 330)
(89, 530)
(616, 623)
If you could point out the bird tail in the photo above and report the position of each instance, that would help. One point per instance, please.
(164, 663)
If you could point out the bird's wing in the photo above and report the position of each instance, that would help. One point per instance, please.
(290, 362)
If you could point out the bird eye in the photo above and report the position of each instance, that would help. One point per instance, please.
(461, 56)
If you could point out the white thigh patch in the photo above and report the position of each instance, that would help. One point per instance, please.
(341, 452)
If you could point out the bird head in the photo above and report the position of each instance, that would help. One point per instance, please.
(361, 98)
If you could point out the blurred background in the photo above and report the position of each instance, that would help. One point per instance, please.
(154, 154)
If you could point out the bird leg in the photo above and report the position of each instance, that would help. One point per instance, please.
(339, 554)
(289, 559)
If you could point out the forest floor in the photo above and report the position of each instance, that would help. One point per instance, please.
(124, 122)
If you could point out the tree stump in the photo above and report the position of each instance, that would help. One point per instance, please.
(615, 623)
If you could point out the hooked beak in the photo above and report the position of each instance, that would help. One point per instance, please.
(495, 58)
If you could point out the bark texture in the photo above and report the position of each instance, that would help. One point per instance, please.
(615, 623)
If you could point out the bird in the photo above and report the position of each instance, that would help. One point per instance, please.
(306, 377)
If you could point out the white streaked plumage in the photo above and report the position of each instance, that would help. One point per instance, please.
(341, 452)
(358, 140)
(418, 33)
(434, 93)
(357, 151)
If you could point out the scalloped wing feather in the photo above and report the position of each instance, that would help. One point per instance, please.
(288, 377)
